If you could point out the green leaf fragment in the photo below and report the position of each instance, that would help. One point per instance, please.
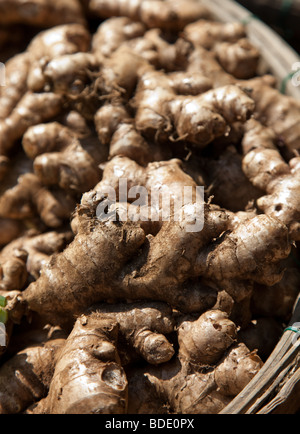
(3, 316)
(2, 301)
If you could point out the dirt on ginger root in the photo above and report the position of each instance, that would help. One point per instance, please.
(155, 312)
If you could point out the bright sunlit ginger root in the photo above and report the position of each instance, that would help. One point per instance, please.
(40, 13)
(60, 40)
(142, 327)
(32, 109)
(182, 386)
(86, 81)
(208, 33)
(116, 129)
(13, 271)
(268, 171)
(98, 335)
(24, 71)
(93, 348)
(195, 119)
(240, 59)
(161, 53)
(111, 245)
(26, 256)
(229, 43)
(279, 112)
(166, 14)
(113, 32)
(155, 272)
(205, 340)
(25, 378)
(64, 159)
(16, 74)
(253, 251)
(88, 377)
(29, 198)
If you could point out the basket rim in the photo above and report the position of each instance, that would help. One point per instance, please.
(279, 56)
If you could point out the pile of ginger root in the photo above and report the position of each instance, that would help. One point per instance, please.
(140, 315)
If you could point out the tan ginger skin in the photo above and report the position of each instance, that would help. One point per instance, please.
(169, 14)
(98, 334)
(193, 254)
(27, 255)
(156, 318)
(30, 372)
(195, 119)
(181, 386)
(267, 170)
(41, 13)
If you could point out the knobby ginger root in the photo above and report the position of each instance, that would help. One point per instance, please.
(100, 334)
(184, 387)
(195, 119)
(249, 253)
(40, 13)
(167, 14)
(25, 378)
(267, 170)
(113, 32)
(16, 74)
(228, 41)
(205, 341)
(26, 256)
(157, 101)
(240, 59)
(29, 198)
(143, 327)
(88, 377)
(116, 128)
(60, 40)
(208, 33)
(62, 158)
(23, 71)
(137, 280)
(277, 111)
(32, 109)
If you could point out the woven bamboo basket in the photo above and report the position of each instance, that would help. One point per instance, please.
(276, 388)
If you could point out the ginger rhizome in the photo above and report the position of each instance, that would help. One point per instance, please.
(26, 377)
(195, 119)
(100, 335)
(41, 13)
(210, 369)
(139, 266)
(149, 208)
(267, 170)
(166, 14)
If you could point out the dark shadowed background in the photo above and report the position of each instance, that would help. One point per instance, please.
(282, 15)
